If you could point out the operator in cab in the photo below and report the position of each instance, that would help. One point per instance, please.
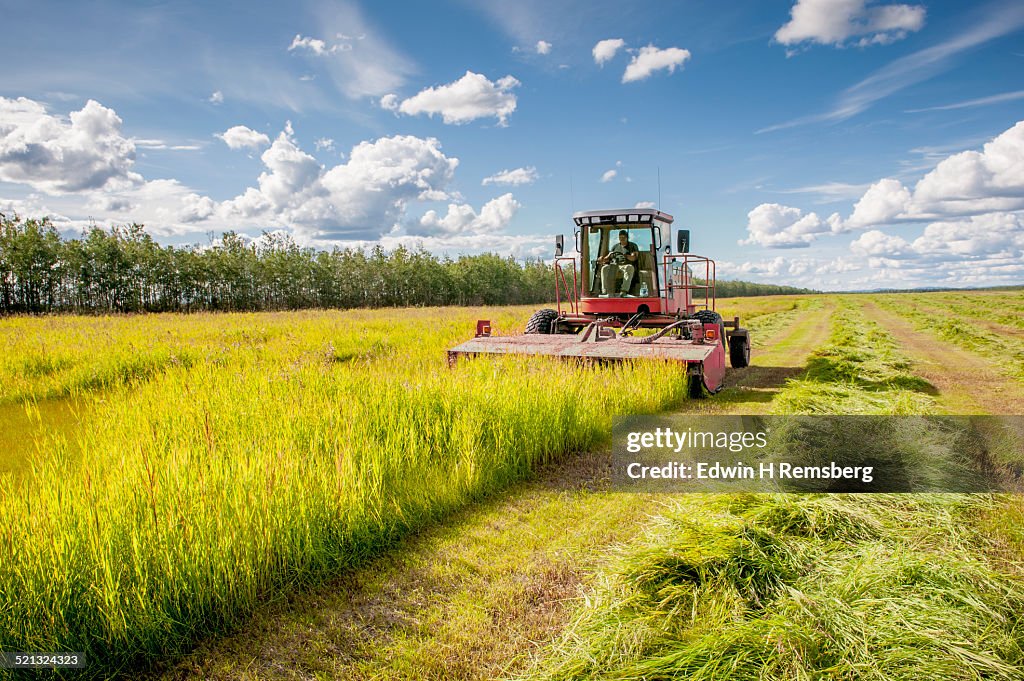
(623, 257)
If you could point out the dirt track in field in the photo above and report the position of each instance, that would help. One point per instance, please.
(473, 597)
(784, 356)
(966, 382)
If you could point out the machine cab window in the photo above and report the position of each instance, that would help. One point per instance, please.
(601, 240)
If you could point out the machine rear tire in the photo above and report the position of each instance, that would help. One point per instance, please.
(739, 351)
(542, 321)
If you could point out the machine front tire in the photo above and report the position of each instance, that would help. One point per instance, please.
(695, 387)
(739, 351)
(707, 317)
(542, 321)
(711, 317)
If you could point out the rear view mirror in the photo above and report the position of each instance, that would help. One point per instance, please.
(559, 245)
(683, 241)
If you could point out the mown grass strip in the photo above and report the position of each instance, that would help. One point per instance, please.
(1003, 307)
(764, 328)
(807, 586)
(859, 371)
(1007, 352)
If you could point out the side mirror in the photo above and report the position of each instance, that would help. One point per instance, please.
(578, 241)
(559, 245)
(683, 241)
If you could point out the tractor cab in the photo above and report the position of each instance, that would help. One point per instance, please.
(600, 233)
(654, 286)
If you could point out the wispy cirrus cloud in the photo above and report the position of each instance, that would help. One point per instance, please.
(365, 65)
(913, 68)
(516, 176)
(971, 103)
(829, 192)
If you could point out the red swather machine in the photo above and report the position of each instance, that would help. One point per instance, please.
(616, 291)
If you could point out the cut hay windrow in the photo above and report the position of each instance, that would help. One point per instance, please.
(806, 586)
(964, 326)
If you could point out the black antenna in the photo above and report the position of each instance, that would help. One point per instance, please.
(659, 188)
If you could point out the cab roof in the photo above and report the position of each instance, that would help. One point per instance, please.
(615, 215)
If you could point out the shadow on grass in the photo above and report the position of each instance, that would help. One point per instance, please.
(761, 378)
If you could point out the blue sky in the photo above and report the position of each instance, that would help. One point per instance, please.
(839, 144)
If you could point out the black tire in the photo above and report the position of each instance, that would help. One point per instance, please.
(707, 317)
(739, 351)
(711, 317)
(542, 321)
(695, 387)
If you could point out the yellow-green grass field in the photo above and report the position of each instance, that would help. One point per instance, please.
(163, 476)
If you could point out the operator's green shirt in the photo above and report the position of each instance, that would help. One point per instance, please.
(629, 248)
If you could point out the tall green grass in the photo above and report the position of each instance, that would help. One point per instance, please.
(194, 496)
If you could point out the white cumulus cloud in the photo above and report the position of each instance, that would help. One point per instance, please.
(835, 22)
(85, 151)
(493, 217)
(240, 137)
(976, 181)
(516, 176)
(883, 201)
(650, 59)
(305, 43)
(995, 235)
(543, 47)
(876, 243)
(963, 185)
(363, 198)
(777, 226)
(605, 50)
(471, 97)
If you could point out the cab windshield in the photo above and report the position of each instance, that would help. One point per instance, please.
(603, 238)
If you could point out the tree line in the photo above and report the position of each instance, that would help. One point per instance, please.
(125, 270)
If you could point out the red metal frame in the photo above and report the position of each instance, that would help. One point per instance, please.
(573, 303)
(708, 287)
(662, 307)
